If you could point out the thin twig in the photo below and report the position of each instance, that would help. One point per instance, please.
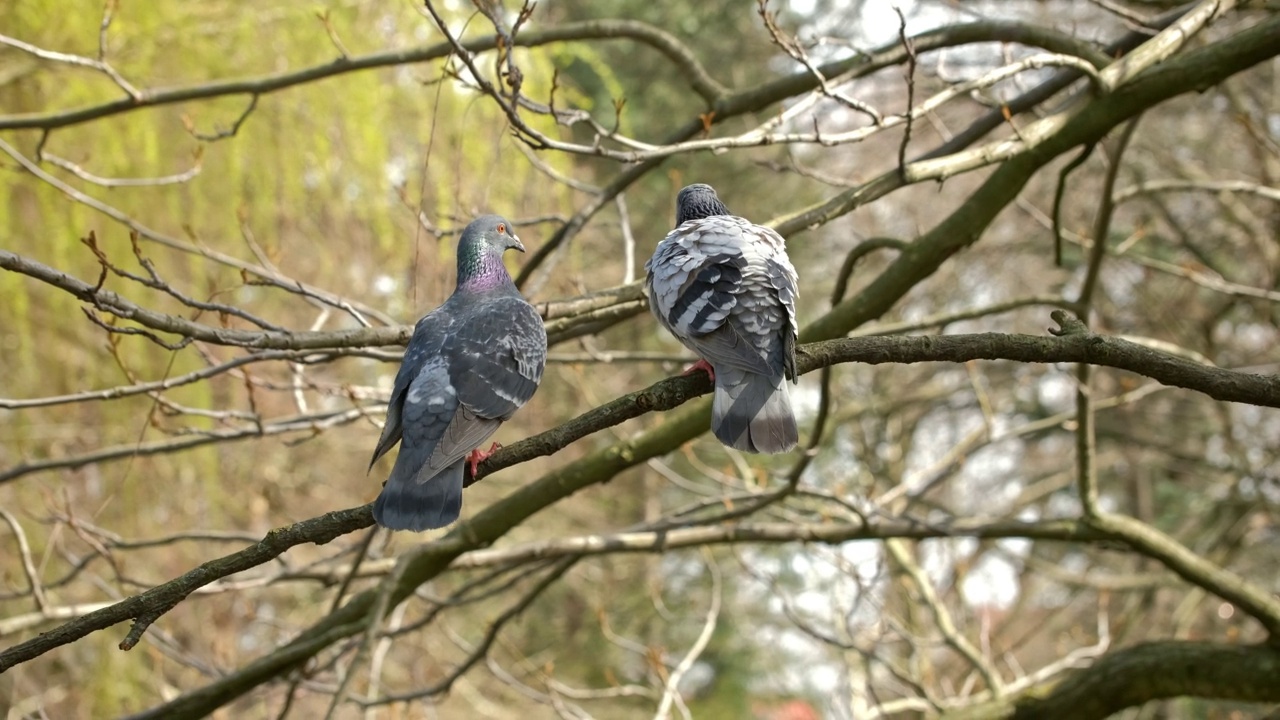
(942, 618)
(911, 88)
(101, 65)
(671, 690)
(28, 565)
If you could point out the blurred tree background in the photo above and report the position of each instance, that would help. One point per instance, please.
(218, 222)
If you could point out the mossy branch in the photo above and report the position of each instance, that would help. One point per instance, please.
(1136, 675)
(690, 420)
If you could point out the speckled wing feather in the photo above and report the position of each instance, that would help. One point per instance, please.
(496, 357)
(428, 336)
(725, 288)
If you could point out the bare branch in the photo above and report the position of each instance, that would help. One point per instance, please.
(1152, 187)
(592, 30)
(146, 607)
(267, 277)
(1259, 603)
(1136, 675)
(135, 98)
(28, 564)
(87, 176)
(309, 424)
(902, 555)
(671, 693)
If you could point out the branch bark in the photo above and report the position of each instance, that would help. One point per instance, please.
(1194, 70)
(1081, 347)
(686, 424)
(1139, 674)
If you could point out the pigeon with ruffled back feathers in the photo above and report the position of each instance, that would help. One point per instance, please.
(471, 363)
(725, 288)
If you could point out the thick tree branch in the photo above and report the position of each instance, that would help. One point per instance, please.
(146, 607)
(1083, 347)
(1080, 347)
(683, 425)
(1199, 68)
(767, 94)
(1136, 675)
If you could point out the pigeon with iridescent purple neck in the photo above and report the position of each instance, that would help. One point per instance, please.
(725, 288)
(471, 363)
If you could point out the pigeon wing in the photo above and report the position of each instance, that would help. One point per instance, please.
(724, 287)
(423, 345)
(429, 409)
(782, 277)
(496, 358)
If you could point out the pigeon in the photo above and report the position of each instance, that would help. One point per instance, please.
(725, 288)
(471, 363)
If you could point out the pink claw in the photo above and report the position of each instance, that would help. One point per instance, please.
(478, 456)
(700, 365)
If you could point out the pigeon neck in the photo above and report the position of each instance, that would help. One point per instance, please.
(482, 272)
(699, 208)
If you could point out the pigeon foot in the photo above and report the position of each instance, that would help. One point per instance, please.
(478, 456)
(700, 365)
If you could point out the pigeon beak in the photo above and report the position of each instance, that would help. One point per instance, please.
(515, 243)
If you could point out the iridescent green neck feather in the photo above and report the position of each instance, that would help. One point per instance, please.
(480, 266)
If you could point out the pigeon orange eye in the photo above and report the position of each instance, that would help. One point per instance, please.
(502, 229)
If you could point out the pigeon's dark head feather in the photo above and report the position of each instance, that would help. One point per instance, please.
(698, 201)
(480, 252)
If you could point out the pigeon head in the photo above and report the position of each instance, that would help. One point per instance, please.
(698, 201)
(480, 252)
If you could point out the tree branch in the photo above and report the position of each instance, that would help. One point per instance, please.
(573, 318)
(1136, 675)
(1199, 68)
(701, 81)
(677, 428)
(1258, 603)
(146, 607)
(1079, 347)
(761, 97)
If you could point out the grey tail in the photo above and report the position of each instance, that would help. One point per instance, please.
(408, 502)
(752, 412)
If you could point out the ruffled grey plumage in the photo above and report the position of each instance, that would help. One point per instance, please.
(725, 288)
(471, 363)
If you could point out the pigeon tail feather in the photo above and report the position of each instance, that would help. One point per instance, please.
(752, 412)
(407, 503)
